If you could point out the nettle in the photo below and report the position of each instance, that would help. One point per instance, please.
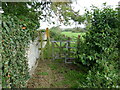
(15, 40)
(99, 51)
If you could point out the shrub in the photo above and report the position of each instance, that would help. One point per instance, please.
(55, 33)
(99, 51)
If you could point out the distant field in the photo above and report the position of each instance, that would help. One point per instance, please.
(73, 35)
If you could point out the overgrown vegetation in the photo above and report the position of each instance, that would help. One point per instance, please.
(61, 35)
(17, 31)
(56, 34)
(76, 30)
(74, 36)
(99, 51)
(72, 75)
(20, 20)
(14, 44)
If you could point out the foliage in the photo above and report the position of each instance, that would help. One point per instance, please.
(75, 30)
(42, 10)
(59, 34)
(20, 20)
(72, 77)
(19, 23)
(17, 31)
(74, 36)
(66, 13)
(14, 44)
(78, 30)
(29, 16)
(99, 50)
(56, 33)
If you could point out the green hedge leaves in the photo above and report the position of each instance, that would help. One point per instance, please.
(15, 42)
(99, 51)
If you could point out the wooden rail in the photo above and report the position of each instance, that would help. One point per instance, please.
(59, 49)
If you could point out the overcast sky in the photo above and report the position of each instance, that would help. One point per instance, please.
(81, 5)
(87, 3)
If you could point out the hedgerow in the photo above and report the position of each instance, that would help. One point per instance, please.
(99, 51)
(15, 41)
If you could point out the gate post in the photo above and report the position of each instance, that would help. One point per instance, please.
(41, 45)
(69, 47)
(78, 44)
(48, 43)
(53, 54)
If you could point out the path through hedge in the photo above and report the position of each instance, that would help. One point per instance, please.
(46, 76)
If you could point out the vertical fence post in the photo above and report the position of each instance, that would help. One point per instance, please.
(60, 49)
(68, 47)
(53, 54)
(78, 41)
(41, 45)
(48, 43)
(78, 46)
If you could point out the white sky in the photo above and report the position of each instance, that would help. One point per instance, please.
(81, 5)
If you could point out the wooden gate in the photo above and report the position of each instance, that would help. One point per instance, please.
(64, 50)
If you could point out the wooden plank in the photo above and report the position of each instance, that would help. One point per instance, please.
(61, 45)
(68, 46)
(60, 48)
(41, 47)
(42, 40)
(71, 47)
(60, 58)
(47, 33)
(53, 52)
(54, 41)
(67, 60)
(63, 41)
(70, 58)
(56, 44)
(65, 45)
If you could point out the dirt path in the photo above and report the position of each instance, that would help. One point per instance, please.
(46, 76)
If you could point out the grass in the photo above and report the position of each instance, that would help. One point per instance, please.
(73, 35)
(72, 78)
(59, 52)
(43, 73)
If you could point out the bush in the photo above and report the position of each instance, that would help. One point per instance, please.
(78, 30)
(55, 33)
(99, 51)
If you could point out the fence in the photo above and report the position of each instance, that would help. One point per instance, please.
(66, 50)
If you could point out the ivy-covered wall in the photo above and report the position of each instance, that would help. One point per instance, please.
(15, 41)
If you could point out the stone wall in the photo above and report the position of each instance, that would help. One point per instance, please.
(33, 53)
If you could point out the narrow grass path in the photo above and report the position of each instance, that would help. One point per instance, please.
(49, 74)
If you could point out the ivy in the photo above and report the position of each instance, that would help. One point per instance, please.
(15, 41)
